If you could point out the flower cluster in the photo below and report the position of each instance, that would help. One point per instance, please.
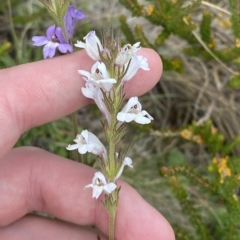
(58, 38)
(222, 167)
(114, 66)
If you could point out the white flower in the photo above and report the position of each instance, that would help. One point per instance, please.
(136, 63)
(126, 53)
(127, 161)
(95, 93)
(134, 48)
(88, 142)
(99, 76)
(92, 44)
(133, 112)
(100, 184)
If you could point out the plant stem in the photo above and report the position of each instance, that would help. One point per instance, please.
(112, 148)
(111, 226)
(13, 33)
(77, 156)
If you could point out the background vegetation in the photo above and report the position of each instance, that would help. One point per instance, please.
(187, 163)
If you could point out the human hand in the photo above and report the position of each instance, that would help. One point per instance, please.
(32, 179)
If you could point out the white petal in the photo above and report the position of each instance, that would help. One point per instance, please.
(92, 44)
(132, 69)
(146, 114)
(88, 93)
(136, 47)
(82, 149)
(141, 120)
(108, 80)
(128, 161)
(143, 63)
(123, 57)
(110, 187)
(94, 139)
(101, 177)
(72, 147)
(97, 190)
(129, 117)
(131, 102)
(85, 73)
(89, 185)
(136, 63)
(80, 44)
(125, 117)
(103, 70)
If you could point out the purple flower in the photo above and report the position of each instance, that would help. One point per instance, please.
(53, 39)
(71, 16)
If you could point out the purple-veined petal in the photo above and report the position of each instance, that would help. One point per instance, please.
(59, 35)
(39, 40)
(46, 51)
(79, 14)
(64, 47)
(52, 49)
(72, 15)
(50, 32)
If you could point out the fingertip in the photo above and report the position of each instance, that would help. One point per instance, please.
(148, 222)
(135, 219)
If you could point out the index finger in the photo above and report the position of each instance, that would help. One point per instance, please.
(36, 93)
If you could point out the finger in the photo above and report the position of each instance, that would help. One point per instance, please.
(35, 180)
(38, 228)
(36, 93)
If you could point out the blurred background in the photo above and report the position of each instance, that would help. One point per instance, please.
(186, 163)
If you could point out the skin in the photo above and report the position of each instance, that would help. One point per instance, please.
(32, 179)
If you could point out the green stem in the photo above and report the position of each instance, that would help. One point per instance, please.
(77, 156)
(13, 32)
(112, 164)
(111, 226)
